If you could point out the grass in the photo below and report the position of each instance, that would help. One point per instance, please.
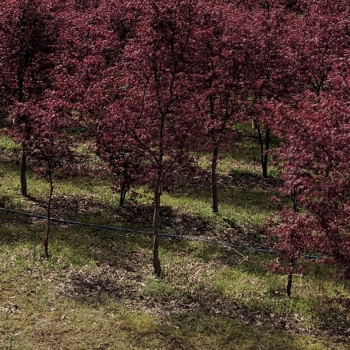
(7, 145)
(97, 290)
(237, 205)
(92, 295)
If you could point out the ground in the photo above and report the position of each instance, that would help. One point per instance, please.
(97, 290)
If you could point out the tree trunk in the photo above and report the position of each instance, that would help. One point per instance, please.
(122, 195)
(156, 260)
(292, 261)
(264, 169)
(289, 284)
(48, 224)
(23, 171)
(290, 278)
(23, 174)
(214, 163)
(264, 147)
(294, 197)
(266, 154)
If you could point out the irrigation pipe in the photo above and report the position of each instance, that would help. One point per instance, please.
(147, 233)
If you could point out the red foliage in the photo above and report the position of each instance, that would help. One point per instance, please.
(316, 166)
(314, 125)
(220, 70)
(28, 35)
(93, 36)
(153, 81)
(45, 133)
(316, 39)
(147, 117)
(146, 122)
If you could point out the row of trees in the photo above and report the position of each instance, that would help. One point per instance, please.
(156, 82)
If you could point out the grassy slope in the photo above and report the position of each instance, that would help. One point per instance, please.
(97, 291)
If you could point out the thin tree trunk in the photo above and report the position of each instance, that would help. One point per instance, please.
(292, 262)
(264, 147)
(23, 174)
(264, 169)
(122, 195)
(290, 278)
(294, 198)
(289, 284)
(48, 224)
(214, 163)
(23, 171)
(265, 156)
(156, 260)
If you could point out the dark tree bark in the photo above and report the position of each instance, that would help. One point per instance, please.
(48, 224)
(290, 278)
(157, 196)
(214, 163)
(156, 260)
(294, 197)
(264, 141)
(23, 172)
(123, 191)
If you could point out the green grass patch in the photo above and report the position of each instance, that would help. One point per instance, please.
(97, 290)
(7, 145)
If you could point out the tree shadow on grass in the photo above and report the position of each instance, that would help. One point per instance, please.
(249, 199)
(105, 265)
(16, 228)
(137, 217)
(238, 178)
(202, 329)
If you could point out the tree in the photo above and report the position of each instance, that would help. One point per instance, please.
(148, 114)
(43, 133)
(3, 96)
(318, 36)
(219, 74)
(127, 166)
(27, 35)
(314, 127)
(316, 166)
(314, 154)
(273, 72)
(94, 37)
